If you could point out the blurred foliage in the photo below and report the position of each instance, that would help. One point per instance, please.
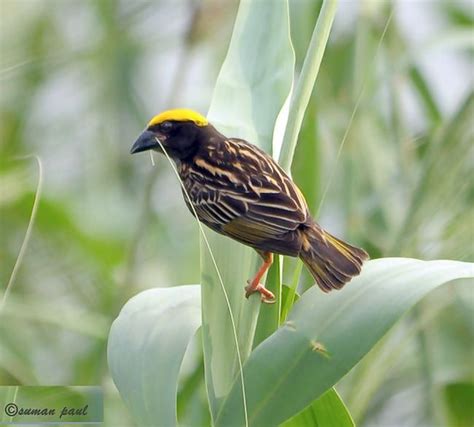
(79, 79)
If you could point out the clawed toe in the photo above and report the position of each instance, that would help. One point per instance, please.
(267, 296)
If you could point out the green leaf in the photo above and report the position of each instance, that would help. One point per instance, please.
(306, 81)
(253, 84)
(146, 346)
(426, 97)
(269, 318)
(289, 293)
(459, 402)
(257, 74)
(327, 411)
(306, 166)
(326, 335)
(444, 168)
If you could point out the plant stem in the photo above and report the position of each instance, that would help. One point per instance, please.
(305, 85)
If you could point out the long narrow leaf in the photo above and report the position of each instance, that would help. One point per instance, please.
(254, 82)
(306, 82)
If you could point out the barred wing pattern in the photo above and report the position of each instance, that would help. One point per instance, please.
(239, 191)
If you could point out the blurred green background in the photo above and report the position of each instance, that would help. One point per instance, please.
(79, 81)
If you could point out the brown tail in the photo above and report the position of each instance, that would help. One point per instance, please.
(331, 261)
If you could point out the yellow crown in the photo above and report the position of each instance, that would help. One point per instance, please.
(179, 115)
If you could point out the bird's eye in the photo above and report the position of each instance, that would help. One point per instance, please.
(166, 126)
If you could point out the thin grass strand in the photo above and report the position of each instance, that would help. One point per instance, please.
(221, 281)
(29, 229)
(351, 120)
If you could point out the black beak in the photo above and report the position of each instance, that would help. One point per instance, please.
(146, 141)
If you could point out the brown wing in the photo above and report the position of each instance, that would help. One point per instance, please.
(240, 191)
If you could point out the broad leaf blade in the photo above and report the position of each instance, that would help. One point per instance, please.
(146, 346)
(257, 74)
(326, 335)
(254, 82)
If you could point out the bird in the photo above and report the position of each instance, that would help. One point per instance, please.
(238, 190)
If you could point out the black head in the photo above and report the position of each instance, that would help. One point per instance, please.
(177, 131)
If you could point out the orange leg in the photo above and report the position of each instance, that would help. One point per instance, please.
(254, 285)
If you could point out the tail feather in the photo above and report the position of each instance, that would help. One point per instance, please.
(331, 261)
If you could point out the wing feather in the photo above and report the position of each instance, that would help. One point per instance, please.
(240, 191)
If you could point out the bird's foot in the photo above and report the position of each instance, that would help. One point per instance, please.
(266, 296)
